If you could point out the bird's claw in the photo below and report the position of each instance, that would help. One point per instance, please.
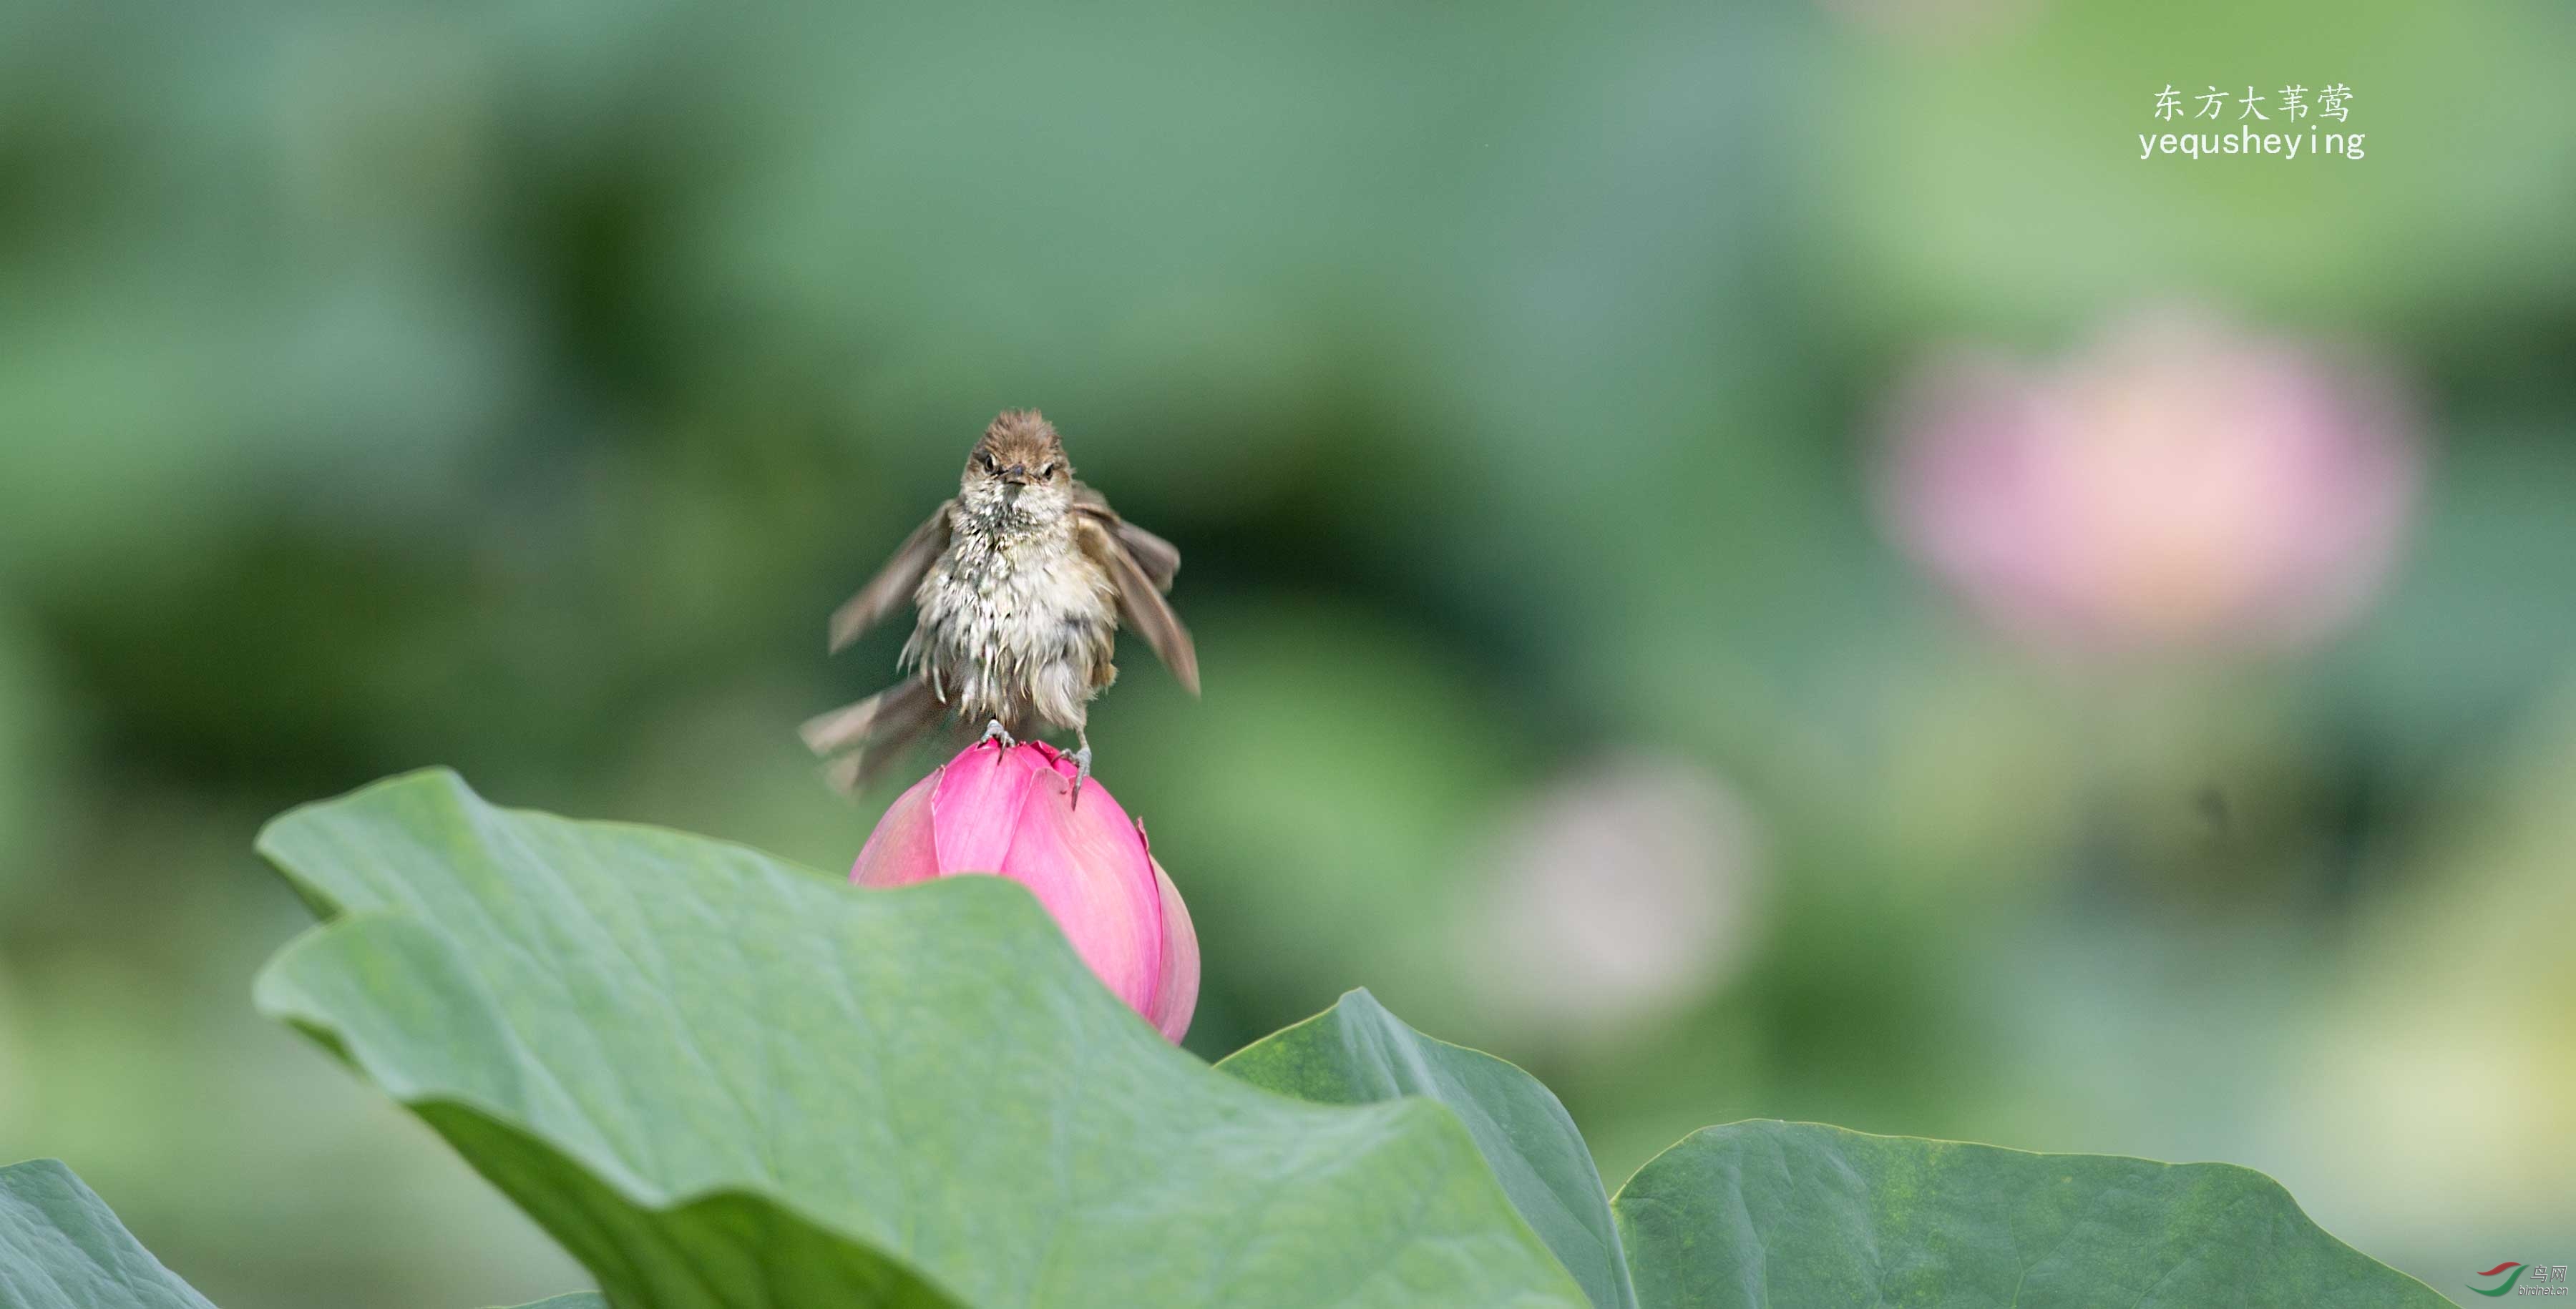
(1081, 772)
(993, 732)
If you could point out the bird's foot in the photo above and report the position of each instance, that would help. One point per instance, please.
(993, 732)
(1081, 772)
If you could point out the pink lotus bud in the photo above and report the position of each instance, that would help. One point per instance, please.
(2178, 486)
(1011, 813)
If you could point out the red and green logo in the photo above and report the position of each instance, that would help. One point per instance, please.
(2504, 1286)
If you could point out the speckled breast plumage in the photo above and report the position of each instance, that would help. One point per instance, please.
(1015, 623)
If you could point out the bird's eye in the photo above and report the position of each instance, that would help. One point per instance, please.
(1048, 471)
(985, 458)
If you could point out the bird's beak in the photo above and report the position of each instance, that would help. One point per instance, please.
(1016, 475)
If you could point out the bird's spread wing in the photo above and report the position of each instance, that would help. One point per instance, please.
(874, 733)
(1141, 576)
(894, 584)
(1158, 557)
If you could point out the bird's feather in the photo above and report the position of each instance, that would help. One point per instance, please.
(894, 584)
(1160, 559)
(1140, 600)
(873, 733)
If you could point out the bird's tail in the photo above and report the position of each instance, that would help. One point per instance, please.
(859, 741)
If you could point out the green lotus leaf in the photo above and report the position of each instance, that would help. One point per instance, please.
(1358, 1053)
(1797, 1214)
(710, 1073)
(62, 1248)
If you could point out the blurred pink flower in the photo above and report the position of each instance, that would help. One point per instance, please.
(1621, 894)
(2177, 486)
(1010, 812)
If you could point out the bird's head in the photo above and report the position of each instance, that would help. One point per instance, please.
(1018, 470)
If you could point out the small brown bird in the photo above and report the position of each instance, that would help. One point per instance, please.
(1019, 585)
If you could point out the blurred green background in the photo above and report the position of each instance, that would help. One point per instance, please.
(517, 386)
